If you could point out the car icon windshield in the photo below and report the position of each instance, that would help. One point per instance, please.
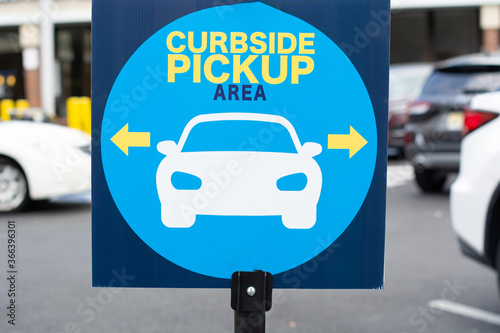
(239, 135)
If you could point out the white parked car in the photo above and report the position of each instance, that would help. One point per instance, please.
(475, 195)
(41, 161)
(239, 164)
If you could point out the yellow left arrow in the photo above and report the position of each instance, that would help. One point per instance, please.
(125, 139)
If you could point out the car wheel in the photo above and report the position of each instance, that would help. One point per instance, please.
(429, 180)
(177, 217)
(13, 186)
(299, 218)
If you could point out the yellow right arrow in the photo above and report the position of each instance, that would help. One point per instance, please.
(352, 141)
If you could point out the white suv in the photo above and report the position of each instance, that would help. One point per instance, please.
(475, 195)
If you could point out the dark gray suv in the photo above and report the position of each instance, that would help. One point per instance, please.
(436, 117)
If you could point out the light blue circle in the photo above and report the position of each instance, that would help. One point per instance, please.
(328, 101)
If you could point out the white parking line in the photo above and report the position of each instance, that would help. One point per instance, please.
(465, 311)
(399, 174)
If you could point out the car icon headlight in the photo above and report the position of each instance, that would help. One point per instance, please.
(294, 182)
(185, 181)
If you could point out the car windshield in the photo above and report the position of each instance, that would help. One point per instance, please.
(407, 83)
(239, 135)
(458, 82)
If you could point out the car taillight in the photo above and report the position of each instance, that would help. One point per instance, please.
(474, 119)
(418, 107)
(409, 138)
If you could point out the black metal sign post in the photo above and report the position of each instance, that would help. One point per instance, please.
(251, 297)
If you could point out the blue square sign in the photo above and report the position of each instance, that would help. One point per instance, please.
(239, 136)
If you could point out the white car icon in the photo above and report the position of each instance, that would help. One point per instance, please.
(239, 164)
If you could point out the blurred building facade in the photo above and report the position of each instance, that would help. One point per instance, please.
(433, 30)
(45, 45)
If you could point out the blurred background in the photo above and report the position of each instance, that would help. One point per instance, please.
(54, 37)
(443, 179)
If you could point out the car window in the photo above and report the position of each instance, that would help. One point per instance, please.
(461, 82)
(406, 84)
(239, 135)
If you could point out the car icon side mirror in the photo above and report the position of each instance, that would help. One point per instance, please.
(311, 149)
(167, 147)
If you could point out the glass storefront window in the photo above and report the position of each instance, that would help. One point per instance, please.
(433, 35)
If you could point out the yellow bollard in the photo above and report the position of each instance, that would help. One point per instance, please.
(21, 106)
(6, 105)
(85, 112)
(73, 112)
(78, 113)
